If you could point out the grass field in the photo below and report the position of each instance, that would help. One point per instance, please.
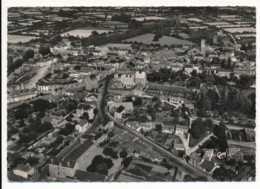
(117, 45)
(165, 40)
(19, 38)
(241, 30)
(83, 32)
(217, 23)
(149, 18)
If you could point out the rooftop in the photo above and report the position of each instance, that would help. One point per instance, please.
(79, 151)
(89, 176)
(83, 122)
(196, 157)
(208, 165)
(85, 106)
(24, 168)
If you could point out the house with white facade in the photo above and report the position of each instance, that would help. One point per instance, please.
(140, 77)
(24, 171)
(82, 126)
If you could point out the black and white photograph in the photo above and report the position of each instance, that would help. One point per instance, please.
(130, 94)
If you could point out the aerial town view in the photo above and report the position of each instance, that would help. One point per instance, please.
(131, 94)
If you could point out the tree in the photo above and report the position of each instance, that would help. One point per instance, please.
(121, 17)
(94, 33)
(44, 50)
(77, 67)
(100, 165)
(11, 67)
(195, 81)
(110, 152)
(214, 98)
(157, 36)
(44, 127)
(33, 161)
(95, 111)
(209, 79)
(10, 60)
(220, 132)
(158, 127)
(126, 162)
(110, 134)
(28, 54)
(252, 98)
(85, 116)
(40, 105)
(197, 128)
(69, 128)
(123, 154)
(229, 63)
(245, 81)
(204, 105)
(208, 123)
(136, 100)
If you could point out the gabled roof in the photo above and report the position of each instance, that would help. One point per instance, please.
(140, 74)
(196, 157)
(208, 165)
(62, 162)
(47, 119)
(85, 107)
(23, 167)
(82, 123)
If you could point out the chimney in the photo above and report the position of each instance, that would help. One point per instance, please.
(51, 160)
(68, 163)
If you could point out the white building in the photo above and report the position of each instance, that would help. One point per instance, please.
(24, 170)
(47, 62)
(82, 126)
(140, 77)
(127, 80)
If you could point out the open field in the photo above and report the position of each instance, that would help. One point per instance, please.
(117, 45)
(245, 35)
(149, 18)
(19, 38)
(184, 35)
(194, 19)
(165, 40)
(217, 23)
(84, 32)
(240, 30)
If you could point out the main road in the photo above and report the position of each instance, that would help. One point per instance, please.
(179, 162)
